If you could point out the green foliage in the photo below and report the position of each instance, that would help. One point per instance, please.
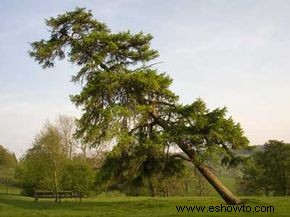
(208, 131)
(77, 176)
(146, 165)
(112, 66)
(33, 172)
(8, 162)
(268, 171)
(43, 163)
(7, 159)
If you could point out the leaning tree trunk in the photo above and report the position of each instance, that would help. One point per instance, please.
(222, 190)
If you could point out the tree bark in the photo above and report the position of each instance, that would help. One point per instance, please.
(223, 191)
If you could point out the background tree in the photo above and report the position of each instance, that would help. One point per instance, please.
(7, 159)
(8, 162)
(268, 171)
(124, 99)
(54, 162)
(78, 177)
(66, 126)
(33, 171)
(43, 163)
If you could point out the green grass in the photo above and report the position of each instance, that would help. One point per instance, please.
(18, 206)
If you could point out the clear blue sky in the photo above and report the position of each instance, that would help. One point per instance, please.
(229, 53)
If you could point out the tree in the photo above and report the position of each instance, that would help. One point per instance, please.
(33, 172)
(7, 159)
(268, 171)
(8, 162)
(77, 176)
(124, 99)
(43, 163)
(66, 126)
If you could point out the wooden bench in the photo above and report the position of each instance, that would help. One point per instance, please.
(50, 194)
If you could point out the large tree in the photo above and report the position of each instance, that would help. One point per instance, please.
(124, 99)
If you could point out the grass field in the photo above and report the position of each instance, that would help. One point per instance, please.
(18, 206)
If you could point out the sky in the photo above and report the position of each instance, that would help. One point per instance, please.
(229, 53)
